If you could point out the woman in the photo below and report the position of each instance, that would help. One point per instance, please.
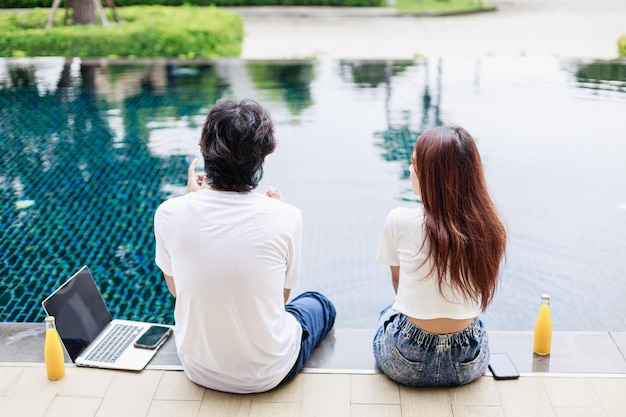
(445, 258)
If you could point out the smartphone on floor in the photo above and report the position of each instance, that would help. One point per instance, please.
(502, 367)
(153, 337)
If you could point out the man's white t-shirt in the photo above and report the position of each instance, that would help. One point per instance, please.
(418, 293)
(231, 255)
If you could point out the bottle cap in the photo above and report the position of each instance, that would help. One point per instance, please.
(49, 319)
(545, 296)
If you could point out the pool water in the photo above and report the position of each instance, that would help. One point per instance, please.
(90, 149)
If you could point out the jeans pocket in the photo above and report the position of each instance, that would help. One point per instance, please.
(473, 369)
(401, 369)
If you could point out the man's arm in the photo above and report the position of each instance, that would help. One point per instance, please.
(169, 280)
(275, 193)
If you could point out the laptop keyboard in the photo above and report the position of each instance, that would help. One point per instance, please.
(111, 347)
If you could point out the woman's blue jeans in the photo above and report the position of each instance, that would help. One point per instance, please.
(411, 356)
(316, 314)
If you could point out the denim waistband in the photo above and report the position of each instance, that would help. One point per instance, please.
(426, 339)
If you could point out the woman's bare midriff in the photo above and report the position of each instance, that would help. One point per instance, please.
(442, 325)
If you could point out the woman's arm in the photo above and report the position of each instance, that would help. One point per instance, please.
(395, 277)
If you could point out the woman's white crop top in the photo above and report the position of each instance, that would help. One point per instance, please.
(418, 293)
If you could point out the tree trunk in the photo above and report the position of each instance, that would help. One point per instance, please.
(84, 12)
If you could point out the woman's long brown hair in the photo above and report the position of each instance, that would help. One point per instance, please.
(465, 237)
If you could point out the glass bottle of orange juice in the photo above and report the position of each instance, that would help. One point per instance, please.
(53, 351)
(543, 328)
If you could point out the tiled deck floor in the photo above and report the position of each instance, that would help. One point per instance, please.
(25, 391)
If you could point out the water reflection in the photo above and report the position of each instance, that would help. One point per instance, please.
(288, 82)
(21, 76)
(371, 74)
(93, 190)
(89, 150)
(603, 76)
(86, 162)
(396, 142)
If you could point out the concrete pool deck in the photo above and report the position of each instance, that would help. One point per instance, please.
(350, 351)
(559, 28)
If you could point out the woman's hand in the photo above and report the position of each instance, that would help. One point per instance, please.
(274, 193)
(195, 181)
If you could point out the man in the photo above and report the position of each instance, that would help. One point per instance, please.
(230, 257)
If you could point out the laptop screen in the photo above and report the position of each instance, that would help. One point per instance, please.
(79, 310)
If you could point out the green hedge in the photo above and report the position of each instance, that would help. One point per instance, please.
(355, 3)
(621, 46)
(145, 31)
(25, 4)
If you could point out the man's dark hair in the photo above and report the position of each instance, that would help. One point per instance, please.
(236, 138)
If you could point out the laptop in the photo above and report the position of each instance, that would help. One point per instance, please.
(90, 335)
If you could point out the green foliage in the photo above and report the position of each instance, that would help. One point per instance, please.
(25, 4)
(145, 31)
(342, 3)
(621, 46)
(440, 6)
(119, 3)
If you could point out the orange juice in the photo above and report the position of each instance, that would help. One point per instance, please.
(53, 352)
(543, 328)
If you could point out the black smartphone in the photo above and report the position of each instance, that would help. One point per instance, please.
(502, 367)
(153, 337)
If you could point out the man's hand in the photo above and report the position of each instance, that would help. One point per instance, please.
(274, 193)
(195, 181)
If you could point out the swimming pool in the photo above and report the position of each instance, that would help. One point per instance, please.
(89, 150)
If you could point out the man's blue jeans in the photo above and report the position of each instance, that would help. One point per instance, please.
(316, 314)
